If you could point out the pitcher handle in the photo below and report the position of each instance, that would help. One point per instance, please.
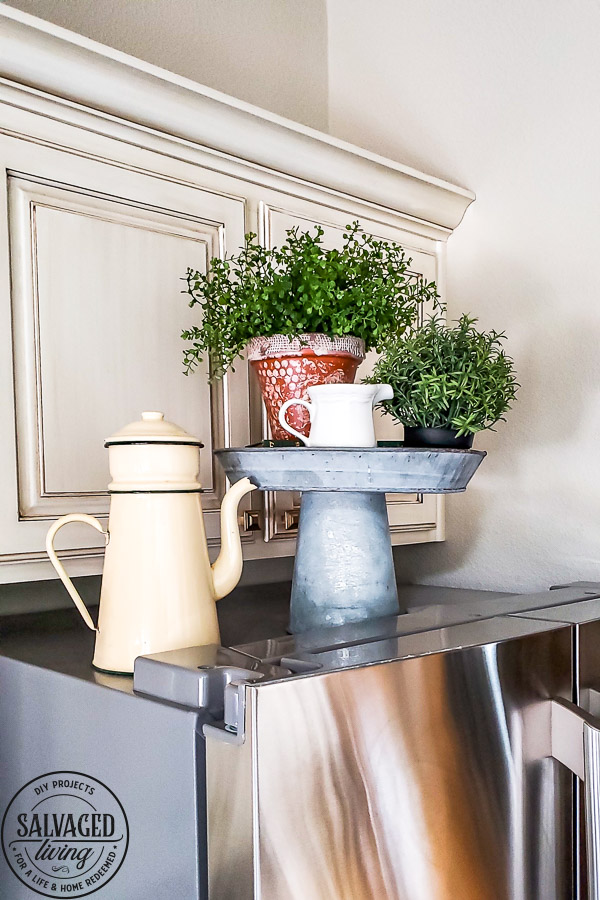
(384, 392)
(284, 423)
(73, 593)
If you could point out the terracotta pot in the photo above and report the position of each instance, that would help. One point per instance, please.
(287, 367)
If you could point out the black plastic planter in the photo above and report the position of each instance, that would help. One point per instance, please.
(436, 437)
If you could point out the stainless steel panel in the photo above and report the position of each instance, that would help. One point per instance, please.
(420, 643)
(484, 605)
(322, 639)
(522, 603)
(149, 754)
(586, 680)
(197, 676)
(411, 780)
(591, 753)
(574, 737)
(584, 617)
(230, 816)
(439, 640)
(586, 609)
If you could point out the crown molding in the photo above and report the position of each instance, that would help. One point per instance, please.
(39, 55)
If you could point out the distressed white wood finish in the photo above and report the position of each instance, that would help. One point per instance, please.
(96, 258)
(115, 175)
(87, 314)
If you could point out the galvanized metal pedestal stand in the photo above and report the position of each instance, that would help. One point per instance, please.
(344, 570)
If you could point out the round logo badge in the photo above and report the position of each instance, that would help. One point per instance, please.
(65, 834)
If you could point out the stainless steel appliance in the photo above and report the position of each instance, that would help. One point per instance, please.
(427, 756)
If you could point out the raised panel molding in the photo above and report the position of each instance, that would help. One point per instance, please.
(44, 222)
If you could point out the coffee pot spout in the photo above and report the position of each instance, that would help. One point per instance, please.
(227, 569)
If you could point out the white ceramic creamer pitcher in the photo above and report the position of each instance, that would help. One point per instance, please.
(158, 586)
(341, 415)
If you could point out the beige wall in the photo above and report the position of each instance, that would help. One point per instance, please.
(272, 53)
(503, 99)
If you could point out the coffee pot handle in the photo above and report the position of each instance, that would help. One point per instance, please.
(284, 422)
(73, 593)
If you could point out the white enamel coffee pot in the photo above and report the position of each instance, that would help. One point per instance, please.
(158, 586)
(341, 415)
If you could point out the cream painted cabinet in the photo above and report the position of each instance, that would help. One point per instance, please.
(115, 176)
(94, 263)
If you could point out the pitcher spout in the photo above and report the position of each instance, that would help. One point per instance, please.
(227, 569)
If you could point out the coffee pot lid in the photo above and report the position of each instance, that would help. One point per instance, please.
(152, 428)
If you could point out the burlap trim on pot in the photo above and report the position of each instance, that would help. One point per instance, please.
(319, 344)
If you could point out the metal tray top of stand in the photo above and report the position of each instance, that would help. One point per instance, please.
(402, 470)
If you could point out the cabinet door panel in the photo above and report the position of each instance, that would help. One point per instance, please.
(96, 260)
(406, 512)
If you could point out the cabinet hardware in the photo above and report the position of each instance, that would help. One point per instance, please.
(291, 518)
(252, 520)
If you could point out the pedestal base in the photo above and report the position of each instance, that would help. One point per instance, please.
(344, 570)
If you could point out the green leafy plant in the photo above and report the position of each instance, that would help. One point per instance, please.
(365, 289)
(448, 376)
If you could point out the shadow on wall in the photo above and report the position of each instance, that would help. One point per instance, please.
(268, 53)
(522, 525)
